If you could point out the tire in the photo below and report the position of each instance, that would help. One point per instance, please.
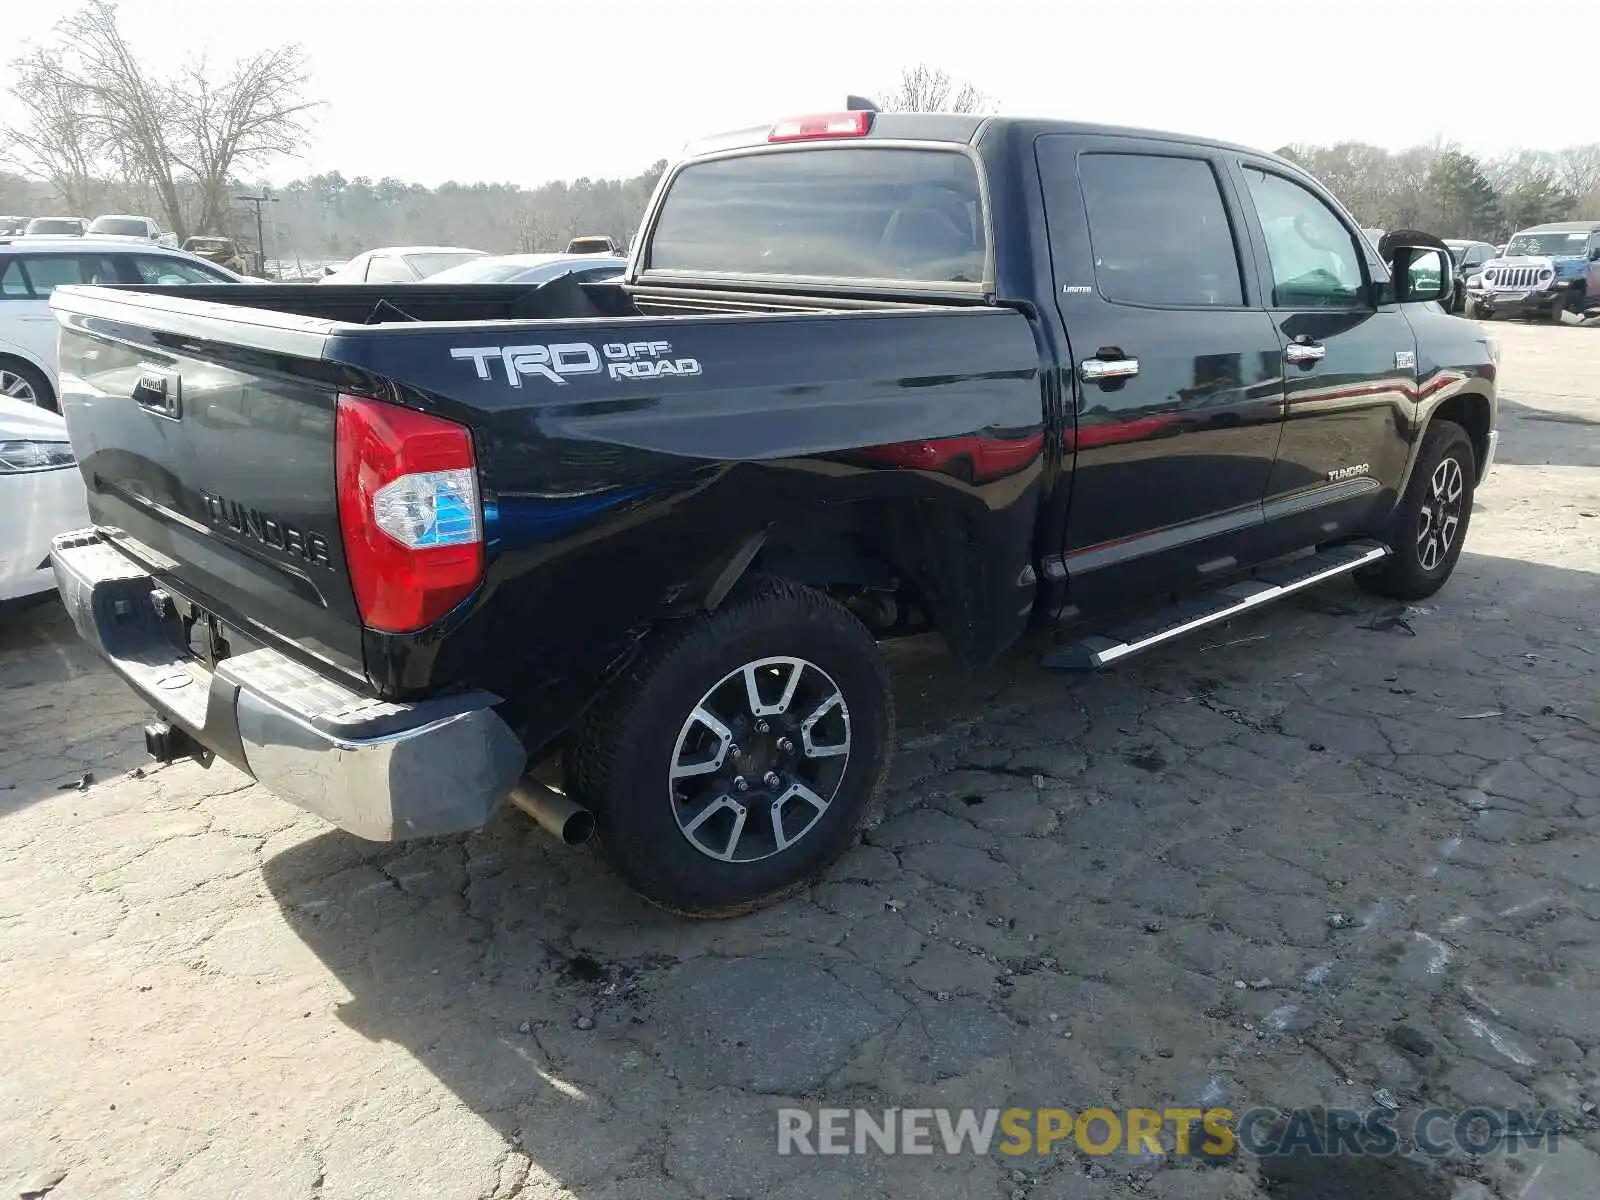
(23, 381)
(1469, 309)
(692, 843)
(1557, 312)
(1421, 558)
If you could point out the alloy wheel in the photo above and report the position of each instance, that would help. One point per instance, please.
(1440, 518)
(16, 387)
(759, 759)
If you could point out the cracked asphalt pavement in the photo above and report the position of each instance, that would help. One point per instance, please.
(1332, 849)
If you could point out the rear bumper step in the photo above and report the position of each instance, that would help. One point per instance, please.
(1267, 585)
(383, 771)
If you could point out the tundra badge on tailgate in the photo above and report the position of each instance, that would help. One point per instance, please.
(555, 362)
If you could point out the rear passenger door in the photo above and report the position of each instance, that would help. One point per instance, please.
(26, 323)
(25, 287)
(1177, 367)
(1350, 372)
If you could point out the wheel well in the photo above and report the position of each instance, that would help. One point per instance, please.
(841, 552)
(1470, 411)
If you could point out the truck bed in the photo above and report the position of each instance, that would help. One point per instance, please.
(609, 495)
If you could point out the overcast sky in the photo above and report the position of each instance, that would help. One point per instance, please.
(430, 90)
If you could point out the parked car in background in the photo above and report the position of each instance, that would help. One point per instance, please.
(1547, 271)
(56, 227)
(220, 250)
(400, 264)
(41, 494)
(30, 271)
(593, 244)
(112, 225)
(1469, 258)
(533, 268)
(11, 226)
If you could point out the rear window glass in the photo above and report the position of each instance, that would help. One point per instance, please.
(852, 213)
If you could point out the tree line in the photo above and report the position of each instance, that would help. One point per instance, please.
(102, 131)
(1444, 190)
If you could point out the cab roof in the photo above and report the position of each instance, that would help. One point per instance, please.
(961, 129)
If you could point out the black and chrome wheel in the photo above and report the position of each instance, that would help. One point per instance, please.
(1430, 524)
(736, 758)
(21, 381)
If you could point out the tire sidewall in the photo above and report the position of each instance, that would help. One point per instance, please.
(635, 819)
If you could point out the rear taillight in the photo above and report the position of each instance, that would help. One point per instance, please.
(409, 512)
(824, 125)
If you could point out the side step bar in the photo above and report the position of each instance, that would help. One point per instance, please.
(1265, 586)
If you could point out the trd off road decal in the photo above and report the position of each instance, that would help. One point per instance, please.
(559, 361)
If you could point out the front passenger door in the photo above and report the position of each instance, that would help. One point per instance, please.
(1349, 366)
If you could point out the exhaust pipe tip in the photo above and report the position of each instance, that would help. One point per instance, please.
(562, 818)
(578, 828)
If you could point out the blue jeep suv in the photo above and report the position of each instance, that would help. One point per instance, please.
(1548, 271)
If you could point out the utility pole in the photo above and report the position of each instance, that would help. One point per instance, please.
(257, 202)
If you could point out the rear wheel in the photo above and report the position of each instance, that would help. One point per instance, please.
(22, 381)
(736, 759)
(1430, 525)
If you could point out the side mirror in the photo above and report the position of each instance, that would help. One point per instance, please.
(1420, 265)
(1424, 275)
(1594, 255)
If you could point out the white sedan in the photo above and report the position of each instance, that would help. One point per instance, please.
(534, 268)
(41, 495)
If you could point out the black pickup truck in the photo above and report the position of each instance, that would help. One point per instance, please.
(394, 550)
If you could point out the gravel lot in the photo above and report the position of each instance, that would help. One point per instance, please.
(1316, 854)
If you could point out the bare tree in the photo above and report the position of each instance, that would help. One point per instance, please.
(186, 137)
(930, 89)
(59, 141)
(255, 113)
(1578, 169)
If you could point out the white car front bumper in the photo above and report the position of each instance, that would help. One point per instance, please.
(34, 507)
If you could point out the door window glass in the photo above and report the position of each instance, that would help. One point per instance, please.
(13, 283)
(1159, 231)
(383, 269)
(1314, 257)
(49, 271)
(173, 271)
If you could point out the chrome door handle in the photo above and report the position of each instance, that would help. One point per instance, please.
(1299, 352)
(1093, 369)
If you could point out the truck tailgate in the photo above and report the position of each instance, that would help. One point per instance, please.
(212, 463)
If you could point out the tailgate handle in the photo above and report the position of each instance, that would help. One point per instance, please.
(159, 391)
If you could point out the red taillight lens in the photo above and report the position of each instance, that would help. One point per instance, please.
(409, 512)
(825, 125)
